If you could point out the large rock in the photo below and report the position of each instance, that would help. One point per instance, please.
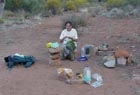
(55, 50)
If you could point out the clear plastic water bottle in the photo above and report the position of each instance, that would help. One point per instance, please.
(87, 75)
(83, 52)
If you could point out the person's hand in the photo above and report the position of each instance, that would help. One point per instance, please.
(71, 38)
(68, 37)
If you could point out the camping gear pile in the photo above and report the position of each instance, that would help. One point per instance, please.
(16, 59)
(67, 75)
(111, 58)
(120, 57)
(54, 53)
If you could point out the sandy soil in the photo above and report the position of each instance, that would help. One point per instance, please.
(41, 79)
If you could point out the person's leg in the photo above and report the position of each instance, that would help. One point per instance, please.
(71, 56)
(64, 53)
(73, 53)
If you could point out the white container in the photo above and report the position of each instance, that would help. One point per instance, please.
(83, 52)
(121, 61)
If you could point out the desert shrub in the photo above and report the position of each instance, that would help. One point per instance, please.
(54, 6)
(75, 4)
(33, 6)
(77, 21)
(115, 3)
(92, 1)
(133, 2)
(70, 5)
(7, 14)
(12, 4)
(1, 20)
(17, 16)
(81, 3)
(27, 5)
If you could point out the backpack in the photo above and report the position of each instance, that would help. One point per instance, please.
(27, 61)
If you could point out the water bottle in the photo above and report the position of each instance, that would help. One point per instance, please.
(83, 52)
(87, 75)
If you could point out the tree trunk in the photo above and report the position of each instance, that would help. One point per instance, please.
(2, 5)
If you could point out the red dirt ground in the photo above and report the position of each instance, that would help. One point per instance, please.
(41, 79)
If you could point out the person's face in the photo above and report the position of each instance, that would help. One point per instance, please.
(68, 27)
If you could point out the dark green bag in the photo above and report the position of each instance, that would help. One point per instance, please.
(70, 45)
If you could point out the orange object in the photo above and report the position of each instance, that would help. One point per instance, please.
(122, 53)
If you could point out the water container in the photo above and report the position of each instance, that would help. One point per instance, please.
(87, 75)
(121, 61)
(86, 50)
(83, 52)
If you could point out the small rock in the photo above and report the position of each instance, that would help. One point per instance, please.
(110, 64)
(38, 18)
(136, 76)
(132, 46)
(83, 10)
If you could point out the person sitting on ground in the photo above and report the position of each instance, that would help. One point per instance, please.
(68, 38)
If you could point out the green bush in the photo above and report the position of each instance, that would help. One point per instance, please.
(133, 2)
(81, 3)
(12, 5)
(7, 14)
(70, 5)
(92, 1)
(33, 6)
(77, 21)
(75, 4)
(54, 6)
(115, 3)
(27, 5)
(1, 20)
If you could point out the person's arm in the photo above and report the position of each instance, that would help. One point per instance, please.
(62, 39)
(61, 36)
(75, 37)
